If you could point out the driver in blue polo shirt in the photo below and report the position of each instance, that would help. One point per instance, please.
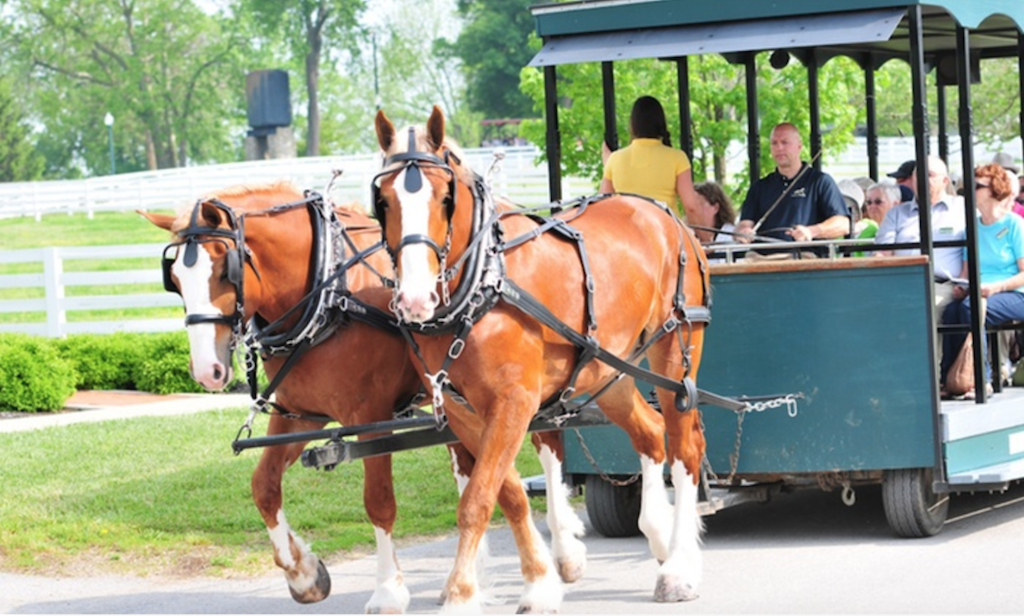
(813, 208)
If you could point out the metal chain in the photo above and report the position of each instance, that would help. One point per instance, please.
(590, 458)
(789, 400)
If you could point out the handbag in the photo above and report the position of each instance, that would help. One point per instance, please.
(960, 378)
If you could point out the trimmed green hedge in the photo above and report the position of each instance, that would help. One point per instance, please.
(40, 374)
(33, 375)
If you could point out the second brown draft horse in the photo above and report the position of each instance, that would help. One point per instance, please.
(508, 310)
(272, 256)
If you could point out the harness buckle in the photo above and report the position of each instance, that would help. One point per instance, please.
(458, 345)
(437, 382)
(567, 394)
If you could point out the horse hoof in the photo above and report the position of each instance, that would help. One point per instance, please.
(672, 590)
(528, 609)
(570, 571)
(320, 589)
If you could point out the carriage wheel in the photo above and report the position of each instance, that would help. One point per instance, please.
(614, 511)
(911, 505)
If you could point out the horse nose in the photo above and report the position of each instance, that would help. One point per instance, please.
(213, 377)
(417, 307)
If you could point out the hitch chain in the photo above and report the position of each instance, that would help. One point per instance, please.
(789, 400)
(590, 458)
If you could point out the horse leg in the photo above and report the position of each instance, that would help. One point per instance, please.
(390, 596)
(625, 406)
(308, 579)
(543, 589)
(462, 469)
(566, 527)
(680, 573)
(501, 439)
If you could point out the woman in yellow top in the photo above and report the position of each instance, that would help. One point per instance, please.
(649, 165)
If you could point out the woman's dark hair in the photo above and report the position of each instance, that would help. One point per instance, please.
(647, 120)
(714, 194)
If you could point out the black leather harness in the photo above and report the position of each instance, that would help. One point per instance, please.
(485, 282)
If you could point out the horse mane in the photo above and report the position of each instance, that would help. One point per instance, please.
(240, 192)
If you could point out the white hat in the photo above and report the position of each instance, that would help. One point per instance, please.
(852, 194)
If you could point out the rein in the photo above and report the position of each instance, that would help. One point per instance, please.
(485, 283)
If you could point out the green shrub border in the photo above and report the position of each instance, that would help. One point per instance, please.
(39, 374)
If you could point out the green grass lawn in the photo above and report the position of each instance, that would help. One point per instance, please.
(166, 495)
(105, 228)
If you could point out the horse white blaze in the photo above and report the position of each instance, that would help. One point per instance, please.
(194, 284)
(655, 509)
(416, 294)
(391, 595)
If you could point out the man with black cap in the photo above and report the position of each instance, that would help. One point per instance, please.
(904, 179)
(901, 226)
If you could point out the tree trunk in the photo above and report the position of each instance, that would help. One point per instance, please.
(312, 88)
(150, 151)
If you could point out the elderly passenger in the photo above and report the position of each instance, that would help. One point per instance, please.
(1000, 261)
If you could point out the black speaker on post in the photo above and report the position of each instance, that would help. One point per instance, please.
(268, 101)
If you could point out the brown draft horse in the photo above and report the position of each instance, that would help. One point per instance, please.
(357, 375)
(640, 259)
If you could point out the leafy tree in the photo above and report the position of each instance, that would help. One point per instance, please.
(306, 26)
(160, 67)
(493, 48)
(417, 68)
(19, 161)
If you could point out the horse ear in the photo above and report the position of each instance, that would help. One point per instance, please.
(211, 214)
(385, 131)
(164, 221)
(435, 128)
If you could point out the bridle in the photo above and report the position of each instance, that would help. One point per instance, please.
(411, 162)
(236, 258)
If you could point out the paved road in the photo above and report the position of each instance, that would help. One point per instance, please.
(802, 553)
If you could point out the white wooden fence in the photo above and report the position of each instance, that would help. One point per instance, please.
(55, 303)
(519, 177)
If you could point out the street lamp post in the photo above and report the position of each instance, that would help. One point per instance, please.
(109, 121)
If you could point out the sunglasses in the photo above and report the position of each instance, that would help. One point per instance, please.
(874, 202)
(979, 185)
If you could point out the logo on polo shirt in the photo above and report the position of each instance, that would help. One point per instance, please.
(799, 192)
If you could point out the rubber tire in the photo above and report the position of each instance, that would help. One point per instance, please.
(614, 511)
(912, 508)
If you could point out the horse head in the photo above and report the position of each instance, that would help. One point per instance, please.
(415, 199)
(206, 265)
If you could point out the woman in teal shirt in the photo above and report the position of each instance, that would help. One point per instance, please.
(1000, 261)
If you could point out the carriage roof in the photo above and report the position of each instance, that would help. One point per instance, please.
(867, 30)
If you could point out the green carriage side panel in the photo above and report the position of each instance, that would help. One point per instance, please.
(853, 339)
(993, 448)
